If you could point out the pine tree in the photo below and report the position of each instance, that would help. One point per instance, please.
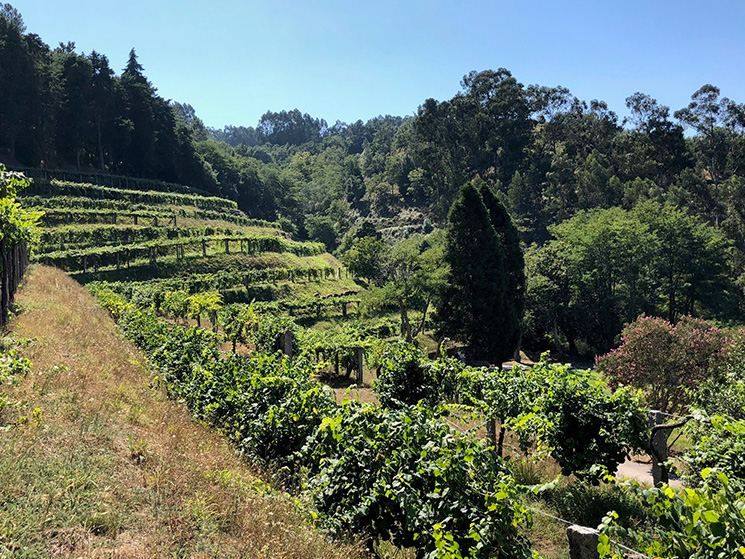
(475, 307)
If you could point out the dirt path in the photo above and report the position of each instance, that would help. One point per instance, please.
(640, 469)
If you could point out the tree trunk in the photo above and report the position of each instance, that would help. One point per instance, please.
(405, 324)
(419, 329)
(516, 357)
(500, 443)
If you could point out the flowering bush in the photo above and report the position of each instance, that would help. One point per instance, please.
(667, 360)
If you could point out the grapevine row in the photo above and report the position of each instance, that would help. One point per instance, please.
(77, 259)
(370, 471)
(218, 281)
(105, 179)
(56, 216)
(55, 187)
(67, 238)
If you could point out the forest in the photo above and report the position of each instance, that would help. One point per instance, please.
(616, 217)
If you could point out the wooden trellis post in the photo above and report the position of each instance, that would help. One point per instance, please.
(204, 247)
(359, 355)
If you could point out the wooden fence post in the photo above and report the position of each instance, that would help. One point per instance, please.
(359, 355)
(285, 343)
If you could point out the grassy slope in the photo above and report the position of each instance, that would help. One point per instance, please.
(108, 467)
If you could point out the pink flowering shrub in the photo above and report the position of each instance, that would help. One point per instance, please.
(666, 360)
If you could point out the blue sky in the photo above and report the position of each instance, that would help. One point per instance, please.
(234, 60)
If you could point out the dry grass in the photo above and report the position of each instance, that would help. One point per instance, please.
(94, 462)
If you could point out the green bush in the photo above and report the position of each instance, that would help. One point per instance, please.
(587, 505)
(720, 444)
(406, 378)
(403, 475)
(708, 522)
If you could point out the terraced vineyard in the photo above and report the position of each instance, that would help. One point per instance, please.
(158, 242)
(412, 469)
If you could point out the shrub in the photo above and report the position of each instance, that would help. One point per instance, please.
(404, 476)
(666, 360)
(406, 378)
(587, 505)
(719, 443)
(694, 523)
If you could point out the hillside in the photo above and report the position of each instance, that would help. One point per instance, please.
(176, 240)
(97, 462)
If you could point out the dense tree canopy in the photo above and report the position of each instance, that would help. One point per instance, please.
(550, 158)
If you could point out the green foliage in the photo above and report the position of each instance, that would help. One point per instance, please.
(92, 191)
(568, 415)
(586, 504)
(609, 266)
(16, 224)
(365, 258)
(402, 475)
(176, 303)
(203, 302)
(405, 378)
(238, 322)
(112, 301)
(13, 369)
(106, 255)
(475, 306)
(723, 392)
(269, 329)
(414, 278)
(691, 523)
(718, 443)
(514, 263)
(665, 360)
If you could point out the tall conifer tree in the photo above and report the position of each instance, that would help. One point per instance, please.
(514, 264)
(475, 307)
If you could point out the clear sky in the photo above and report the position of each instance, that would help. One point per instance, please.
(233, 60)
